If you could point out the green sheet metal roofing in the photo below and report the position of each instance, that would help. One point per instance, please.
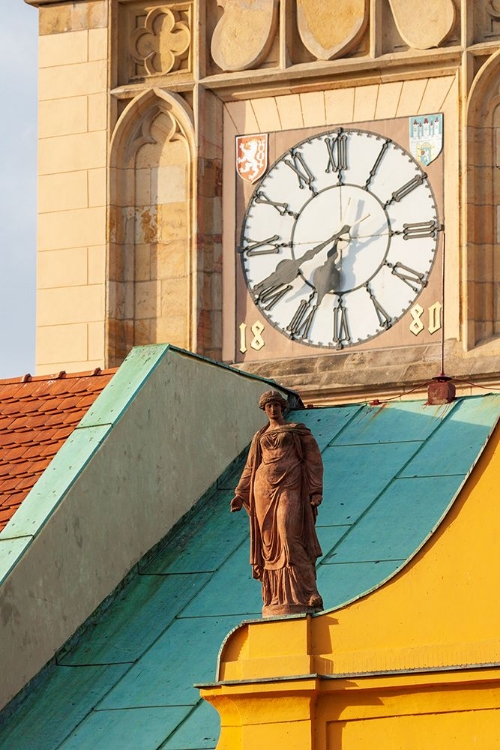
(126, 682)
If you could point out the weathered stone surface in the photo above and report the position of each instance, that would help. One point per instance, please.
(161, 41)
(333, 378)
(244, 35)
(424, 23)
(166, 203)
(71, 16)
(486, 21)
(330, 30)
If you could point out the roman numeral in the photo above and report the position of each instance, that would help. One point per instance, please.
(384, 318)
(337, 153)
(299, 166)
(341, 333)
(419, 230)
(398, 195)
(375, 167)
(262, 247)
(281, 208)
(300, 324)
(270, 297)
(415, 280)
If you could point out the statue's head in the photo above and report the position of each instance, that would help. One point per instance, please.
(272, 396)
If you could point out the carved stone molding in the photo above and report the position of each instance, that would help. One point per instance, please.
(492, 19)
(249, 31)
(492, 10)
(150, 241)
(171, 130)
(38, 3)
(482, 274)
(424, 23)
(244, 34)
(160, 39)
(329, 31)
(486, 21)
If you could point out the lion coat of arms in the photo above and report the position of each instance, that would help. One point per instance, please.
(251, 156)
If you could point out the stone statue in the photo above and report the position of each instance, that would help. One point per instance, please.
(280, 488)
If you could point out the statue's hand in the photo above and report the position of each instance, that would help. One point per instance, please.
(236, 504)
(257, 572)
(316, 500)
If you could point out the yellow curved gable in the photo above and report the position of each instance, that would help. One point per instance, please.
(415, 664)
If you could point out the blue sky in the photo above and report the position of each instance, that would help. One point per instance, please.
(18, 136)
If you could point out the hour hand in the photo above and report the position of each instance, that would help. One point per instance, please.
(285, 272)
(326, 278)
(288, 269)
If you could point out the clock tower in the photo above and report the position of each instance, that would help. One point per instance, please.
(306, 190)
(339, 239)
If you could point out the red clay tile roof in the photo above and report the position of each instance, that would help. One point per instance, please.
(36, 416)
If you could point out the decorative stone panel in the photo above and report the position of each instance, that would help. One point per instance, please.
(482, 269)
(149, 293)
(329, 31)
(155, 40)
(247, 33)
(486, 21)
(244, 35)
(423, 24)
(418, 24)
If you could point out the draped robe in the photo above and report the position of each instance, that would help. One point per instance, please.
(283, 470)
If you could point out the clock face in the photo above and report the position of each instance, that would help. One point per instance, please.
(339, 238)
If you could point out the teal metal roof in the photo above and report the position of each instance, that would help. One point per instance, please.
(391, 474)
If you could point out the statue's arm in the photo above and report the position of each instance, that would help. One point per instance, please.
(241, 497)
(313, 466)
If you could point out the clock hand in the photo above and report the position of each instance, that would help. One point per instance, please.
(326, 278)
(344, 212)
(287, 270)
(358, 221)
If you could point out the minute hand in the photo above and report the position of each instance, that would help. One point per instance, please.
(287, 270)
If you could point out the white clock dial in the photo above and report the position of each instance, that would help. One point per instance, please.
(339, 238)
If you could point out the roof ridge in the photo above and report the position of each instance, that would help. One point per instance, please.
(27, 378)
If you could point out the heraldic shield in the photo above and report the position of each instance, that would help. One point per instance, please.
(251, 156)
(426, 137)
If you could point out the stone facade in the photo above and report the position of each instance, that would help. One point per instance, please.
(140, 205)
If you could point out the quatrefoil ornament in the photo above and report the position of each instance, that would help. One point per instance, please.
(162, 43)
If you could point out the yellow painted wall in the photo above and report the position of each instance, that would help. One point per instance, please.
(412, 712)
(413, 666)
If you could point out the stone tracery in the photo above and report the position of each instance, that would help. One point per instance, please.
(149, 278)
(161, 42)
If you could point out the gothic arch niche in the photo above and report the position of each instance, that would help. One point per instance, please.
(150, 242)
(482, 266)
